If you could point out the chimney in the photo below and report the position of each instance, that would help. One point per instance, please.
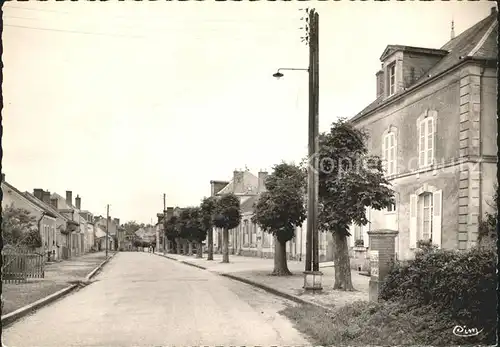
(493, 10)
(117, 221)
(78, 202)
(3, 177)
(46, 197)
(452, 35)
(53, 202)
(170, 212)
(238, 185)
(380, 83)
(38, 193)
(69, 197)
(262, 182)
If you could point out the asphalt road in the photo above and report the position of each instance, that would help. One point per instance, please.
(141, 299)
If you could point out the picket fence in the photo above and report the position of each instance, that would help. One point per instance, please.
(19, 265)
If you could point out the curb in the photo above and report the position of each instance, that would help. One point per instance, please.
(99, 267)
(256, 284)
(13, 316)
(23, 311)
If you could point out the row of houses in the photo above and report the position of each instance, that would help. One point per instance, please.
(433, 122)
(66, 229)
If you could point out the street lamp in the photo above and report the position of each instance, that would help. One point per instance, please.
(312, 275)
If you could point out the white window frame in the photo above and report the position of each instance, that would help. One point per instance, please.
(422, 213)
(426, 139)
(389, 153)
(416, 226)
(391, 81)
(393, 210)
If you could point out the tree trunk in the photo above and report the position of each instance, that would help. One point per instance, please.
(190, 247)
(178, 246)
(342, 262)
(184, 247)
(210, 243)
(280, 262)
(199, 250)
(225, 245)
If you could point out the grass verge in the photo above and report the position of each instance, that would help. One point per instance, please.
(386, 323)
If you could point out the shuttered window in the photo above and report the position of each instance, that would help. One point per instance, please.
(426, 142)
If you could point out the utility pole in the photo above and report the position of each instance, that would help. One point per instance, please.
(312, 253)
(107, 229)
(164, 222)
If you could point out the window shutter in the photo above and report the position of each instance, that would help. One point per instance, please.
(413, 221)
(430, 140)
(437, 217)
(366, 228)
(421, 149)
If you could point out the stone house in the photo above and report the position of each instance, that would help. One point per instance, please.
(113, 224)
(45, 218)
(248, 239)
(66, 207)
(60, 245)
(433, 123)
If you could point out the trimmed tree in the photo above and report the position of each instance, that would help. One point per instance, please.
(207, 207)
(185, 229)
(227, 216)
(281, 209)
(349, 181)
(172, 232)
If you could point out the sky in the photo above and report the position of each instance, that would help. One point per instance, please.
(122, 102)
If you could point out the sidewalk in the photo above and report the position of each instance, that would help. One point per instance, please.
(257, 270)
(57, 276)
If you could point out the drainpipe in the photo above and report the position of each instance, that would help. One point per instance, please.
(480, 217)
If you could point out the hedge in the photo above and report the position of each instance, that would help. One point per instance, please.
(461, 285)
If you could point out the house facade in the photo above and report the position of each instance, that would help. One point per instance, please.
(46, 220)
(113, 231)
(66, 207)
(248, 239)
(433, 123)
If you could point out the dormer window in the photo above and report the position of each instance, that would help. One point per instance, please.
(391, 69)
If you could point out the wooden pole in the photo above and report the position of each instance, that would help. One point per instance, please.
(315, 45)
(311, 141)
(107, 229)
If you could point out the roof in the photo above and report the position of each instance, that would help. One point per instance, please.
(394, 48)
(477, 42)
(11, 187)
(43, 205)
(250, 185)
(248, 205)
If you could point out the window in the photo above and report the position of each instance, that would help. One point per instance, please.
(389, 153)
(392, 78)
(426, 142)
(391, 208)
(426, 216)
(426, 209)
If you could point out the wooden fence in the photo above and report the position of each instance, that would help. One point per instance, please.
(20, 265)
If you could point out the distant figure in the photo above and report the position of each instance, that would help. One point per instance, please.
(153, 247)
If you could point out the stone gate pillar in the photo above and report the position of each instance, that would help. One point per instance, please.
(381, 252)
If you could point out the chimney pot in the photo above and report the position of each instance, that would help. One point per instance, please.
(38, 193)
(78, 202)
(53, 202)
(46, 197)
(69, 197)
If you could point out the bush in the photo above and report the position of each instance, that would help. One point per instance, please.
(460, 285)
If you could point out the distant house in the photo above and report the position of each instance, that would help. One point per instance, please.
(45, 218)
(100, 238)
(114, 229)
(434, 123)
(247, 238)
(65, 206)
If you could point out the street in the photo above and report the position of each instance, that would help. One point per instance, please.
(141, 299)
